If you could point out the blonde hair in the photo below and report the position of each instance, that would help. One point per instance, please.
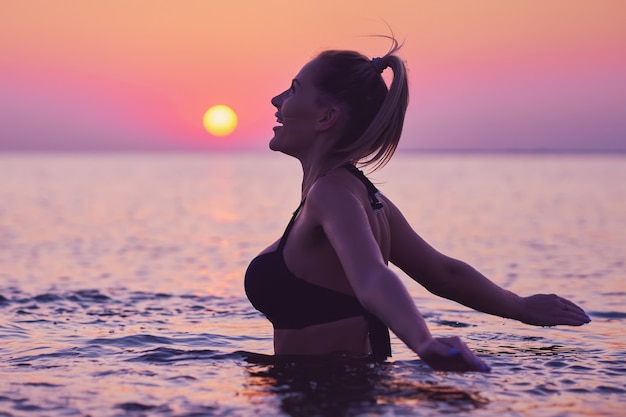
(375, 113)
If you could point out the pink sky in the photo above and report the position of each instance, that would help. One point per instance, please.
(134, 75)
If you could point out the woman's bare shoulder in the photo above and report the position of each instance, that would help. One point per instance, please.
(338, 186)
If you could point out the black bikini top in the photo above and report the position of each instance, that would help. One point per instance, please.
(292, 303)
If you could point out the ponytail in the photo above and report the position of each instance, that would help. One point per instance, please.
(375, 113)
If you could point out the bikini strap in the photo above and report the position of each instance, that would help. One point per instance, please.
(283, 238)
(380, 341)
(372, 191)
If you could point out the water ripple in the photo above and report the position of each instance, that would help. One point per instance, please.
(611, 315)
(167, 355)
(133, 341)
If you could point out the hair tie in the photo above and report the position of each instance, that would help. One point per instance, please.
(379, 64)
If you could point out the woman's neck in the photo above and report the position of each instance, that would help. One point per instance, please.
(315, 168)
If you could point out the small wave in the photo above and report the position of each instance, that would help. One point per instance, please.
(74, 352)
(182, 378)
(27, 360)
(524, 350)
(42, 384)
(612, 315)
(88, 295)
(47, 298)
(556, 364)
(133, 341)
(147, 296)
(79, 296)
(139, 409)
(10, 331)
(168, 355)
(610, 389)
(144, 340)
(450, 323)
(580, 368)
(135, 407)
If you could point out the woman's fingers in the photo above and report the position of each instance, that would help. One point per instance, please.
(471, 359)
(552, 310)
(575, 312)
(454, 355)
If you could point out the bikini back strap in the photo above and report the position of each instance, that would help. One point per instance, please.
(372, 191)
(380, 341)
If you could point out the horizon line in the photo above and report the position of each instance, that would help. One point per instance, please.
(257, 150)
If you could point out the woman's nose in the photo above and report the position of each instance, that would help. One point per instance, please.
(277, 100)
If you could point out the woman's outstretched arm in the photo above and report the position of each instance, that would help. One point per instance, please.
(346, 225)
(458, 281)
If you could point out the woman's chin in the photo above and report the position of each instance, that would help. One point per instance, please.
(272, 144)
(275, 141)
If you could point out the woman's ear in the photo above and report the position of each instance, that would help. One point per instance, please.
(329, 118)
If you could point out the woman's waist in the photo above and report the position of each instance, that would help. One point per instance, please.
(345, 335)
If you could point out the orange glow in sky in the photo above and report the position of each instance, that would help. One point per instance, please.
(140, 75)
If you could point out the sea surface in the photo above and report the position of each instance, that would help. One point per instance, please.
(121, 287)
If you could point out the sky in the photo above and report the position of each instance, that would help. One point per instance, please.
(117, 75)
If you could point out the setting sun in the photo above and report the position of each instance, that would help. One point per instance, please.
(220, 120)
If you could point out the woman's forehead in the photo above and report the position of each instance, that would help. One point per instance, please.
(307, 71)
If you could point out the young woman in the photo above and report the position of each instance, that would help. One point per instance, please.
(325, 284)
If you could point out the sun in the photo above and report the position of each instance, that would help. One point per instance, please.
(220, 120)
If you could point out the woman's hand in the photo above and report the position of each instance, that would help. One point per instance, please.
(551, 310)
(451, 354)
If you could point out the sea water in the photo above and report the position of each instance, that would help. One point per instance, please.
(121, 287)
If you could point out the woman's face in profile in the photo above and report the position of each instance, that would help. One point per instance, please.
(298, 109)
